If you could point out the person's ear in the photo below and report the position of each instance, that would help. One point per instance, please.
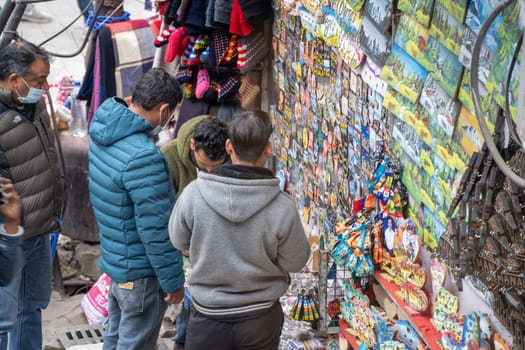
(229, 147)
(268, 149)
(13, 80)
(192, 144)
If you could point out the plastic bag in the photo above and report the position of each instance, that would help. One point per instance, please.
(94, 304)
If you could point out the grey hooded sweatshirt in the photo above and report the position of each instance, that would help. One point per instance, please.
(244, 236)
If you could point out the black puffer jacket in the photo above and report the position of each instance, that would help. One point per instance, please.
(27, 151)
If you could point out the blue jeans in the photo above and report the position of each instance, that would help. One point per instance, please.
(23, 299)
(135, 315)
(180, 323)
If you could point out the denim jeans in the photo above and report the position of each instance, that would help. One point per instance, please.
(23, 299)
(135, 315)
(180, 323)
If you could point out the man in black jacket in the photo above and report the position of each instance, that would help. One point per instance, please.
(28, 154)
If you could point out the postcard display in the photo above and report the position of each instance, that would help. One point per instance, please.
(419, 235)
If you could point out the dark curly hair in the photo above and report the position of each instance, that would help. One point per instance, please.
(210, 135)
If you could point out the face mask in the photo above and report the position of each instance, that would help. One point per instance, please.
(156, 130)
(33, 96)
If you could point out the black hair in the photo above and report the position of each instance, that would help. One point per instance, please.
(18, 56)
(249, 133)
(210, 135)
(156, 86)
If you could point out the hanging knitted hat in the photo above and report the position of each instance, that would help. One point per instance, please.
(251, 51)
(238, 23)
(218, 44)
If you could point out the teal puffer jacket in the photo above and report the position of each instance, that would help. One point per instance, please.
(132, 197)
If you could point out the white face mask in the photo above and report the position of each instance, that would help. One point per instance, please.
(156, 130)
(33, 96)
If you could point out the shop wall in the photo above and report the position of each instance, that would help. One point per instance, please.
(357, 80)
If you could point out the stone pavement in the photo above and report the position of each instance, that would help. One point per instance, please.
(64, 312)
(64, 315)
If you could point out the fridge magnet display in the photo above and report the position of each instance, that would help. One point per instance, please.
(446, 29)
(408, 139)
(356, 5)
(412, 37)
(444, 66)
(457, 9)
(432, 229)
(508, 37)
(349, 20)
(442, 108)
(380, 11)
(485, 55)
(373, 42)
(408, 335)
(403, 73)
(420, 10)
(468, 132)
(477, 13)
(443, 178)
(409, 177)
(370, 73)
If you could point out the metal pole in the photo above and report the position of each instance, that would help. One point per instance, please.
(5, 13)
(12, 24)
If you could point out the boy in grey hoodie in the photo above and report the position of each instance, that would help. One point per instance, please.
(244, 236)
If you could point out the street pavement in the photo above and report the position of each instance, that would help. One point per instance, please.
(64, 312)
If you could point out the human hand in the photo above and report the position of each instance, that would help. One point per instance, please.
(175, 297)
(9, 206)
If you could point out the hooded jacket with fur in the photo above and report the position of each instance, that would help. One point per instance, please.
(178, 155)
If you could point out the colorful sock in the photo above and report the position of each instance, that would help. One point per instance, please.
(228, 87)
(203, 83)
(188, 50)
(232, 49)
(163, 38)
(188, 90)
(205, 55)
(201, 43)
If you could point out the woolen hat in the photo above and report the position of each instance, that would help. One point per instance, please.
(218, 44)
(251, 50)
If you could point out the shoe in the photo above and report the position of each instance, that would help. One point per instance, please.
(31, 14)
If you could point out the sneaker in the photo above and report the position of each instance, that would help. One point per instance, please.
(31, 14)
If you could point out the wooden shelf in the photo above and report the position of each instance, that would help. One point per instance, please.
(343, 326)
(420, 322)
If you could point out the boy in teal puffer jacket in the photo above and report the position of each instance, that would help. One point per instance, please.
(132, 196)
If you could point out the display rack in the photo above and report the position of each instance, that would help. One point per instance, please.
(351, 340)
(331, 286)
(420, 322)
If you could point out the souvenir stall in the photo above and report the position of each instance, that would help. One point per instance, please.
(393, 122)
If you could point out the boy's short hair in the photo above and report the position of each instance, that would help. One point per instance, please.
(210, 135)
(249, 133)
(157, 86)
